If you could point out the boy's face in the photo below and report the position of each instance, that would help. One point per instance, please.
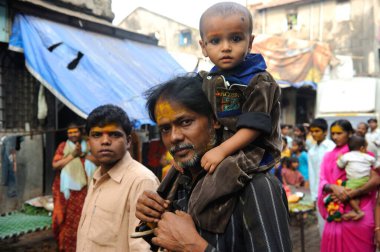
(226, 40)
(108, 144)
(318, 134)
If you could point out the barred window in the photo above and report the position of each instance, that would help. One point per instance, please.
(18, 92)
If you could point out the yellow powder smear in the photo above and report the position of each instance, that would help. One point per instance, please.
(164, 110)
(112, 127)
(74, 130)
(336, 129)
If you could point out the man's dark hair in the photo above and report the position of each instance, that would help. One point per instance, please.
(372, 120)
(319, 123)
(185, 90)
(107, 114)
(356, 142)
(225, 9)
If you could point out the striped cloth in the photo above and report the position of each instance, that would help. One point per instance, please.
(260, 220)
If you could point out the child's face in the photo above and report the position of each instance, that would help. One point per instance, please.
(295, 147)
(226, 40)
(294, 165)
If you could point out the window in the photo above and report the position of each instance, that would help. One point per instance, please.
(291, 19)
(185, 38)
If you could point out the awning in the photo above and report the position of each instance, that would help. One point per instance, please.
(85, 69)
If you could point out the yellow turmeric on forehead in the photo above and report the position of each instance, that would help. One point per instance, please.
(336, 129)
(106, 128)
(164, 109)
(72, 130)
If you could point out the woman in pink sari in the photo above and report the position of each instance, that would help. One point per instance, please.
(347, 235)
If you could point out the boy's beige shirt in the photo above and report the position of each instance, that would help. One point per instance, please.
(108, 215)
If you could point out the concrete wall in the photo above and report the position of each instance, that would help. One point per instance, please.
(350, 27)
(29, 174)
(167, 31)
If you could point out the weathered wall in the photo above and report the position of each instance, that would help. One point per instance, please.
(100, 8)
(354, 34)
(167, 31)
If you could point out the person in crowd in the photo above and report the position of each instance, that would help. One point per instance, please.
(309, 142)
(285, 151)
(373, 137)
(246, 101)
(345, 235)
(318, 130)
(73, 167)
(108, 217)
(290, 174)
(189, 129)
(362, 130)
(284, 163)
(299, 132)
(357, 164)
(285, 128)
(298, 151)
(166, 162)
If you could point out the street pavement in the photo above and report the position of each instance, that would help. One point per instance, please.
(43, 241)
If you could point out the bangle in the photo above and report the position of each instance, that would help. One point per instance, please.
(377, 229)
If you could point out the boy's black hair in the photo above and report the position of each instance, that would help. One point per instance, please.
(356, 142)
(185, 90)
(372, 120)
(319, 123)
(107, 114)
(225, 9)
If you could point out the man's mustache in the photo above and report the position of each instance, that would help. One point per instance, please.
(180, 147)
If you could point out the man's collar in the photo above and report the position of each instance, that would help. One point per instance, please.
(117, 172)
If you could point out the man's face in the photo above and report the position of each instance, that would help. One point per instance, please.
(186, 134)
(74, 135)
(226, 40)
(361, 130)
(108, 144)
(318, 134)
(372, 125)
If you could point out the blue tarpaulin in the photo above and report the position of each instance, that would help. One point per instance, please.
(85, 69)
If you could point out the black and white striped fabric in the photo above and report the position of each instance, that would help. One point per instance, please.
(260, 221)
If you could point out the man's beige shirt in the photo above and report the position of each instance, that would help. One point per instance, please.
(108, 215)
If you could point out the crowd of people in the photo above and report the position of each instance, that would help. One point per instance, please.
(223, 136)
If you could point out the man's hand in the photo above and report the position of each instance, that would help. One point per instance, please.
(212, 159)
(150, 206)
(177, 232)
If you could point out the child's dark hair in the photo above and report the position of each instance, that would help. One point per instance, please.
(356, 142)
(107, 114)
(300, 142)
(285, 161)
(293, 160)
(319, 123)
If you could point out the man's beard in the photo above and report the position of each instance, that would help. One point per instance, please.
(195, 160)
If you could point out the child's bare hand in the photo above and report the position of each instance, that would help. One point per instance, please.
(212, 159)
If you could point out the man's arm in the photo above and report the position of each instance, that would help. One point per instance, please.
(150, 206)
(177, 232)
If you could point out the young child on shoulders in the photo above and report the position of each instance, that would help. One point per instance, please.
(290, 173)
(246, 101)
(357, 164)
